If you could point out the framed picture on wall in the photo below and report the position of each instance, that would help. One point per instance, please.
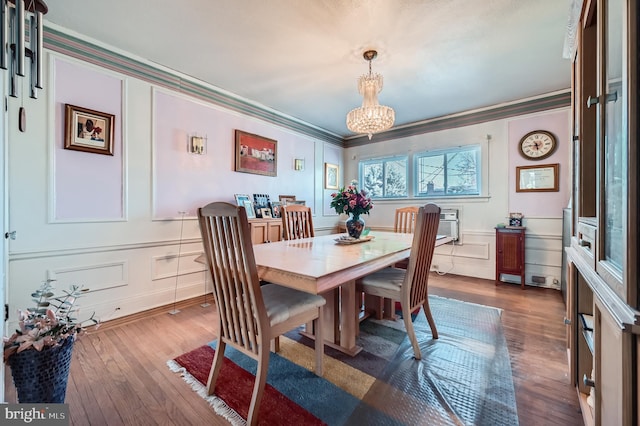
(542, 178)
(88, 130)
(330, 176)
(256, 154)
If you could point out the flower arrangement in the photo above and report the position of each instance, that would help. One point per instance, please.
(96, 132)
(49, 323)
(351, 201)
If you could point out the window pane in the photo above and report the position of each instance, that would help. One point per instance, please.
(395, 178)
(448, 172)
(385, 177)
(462, 173)
(371, 179)
(431, 175)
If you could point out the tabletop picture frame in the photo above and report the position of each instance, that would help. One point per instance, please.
(88, 130)
(538, 178)
(276, 207)
(241, 198)
(248, 206)
(255, 154)
(286, 198)
(331, 172)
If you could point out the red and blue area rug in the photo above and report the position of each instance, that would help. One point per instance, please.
(464, 377)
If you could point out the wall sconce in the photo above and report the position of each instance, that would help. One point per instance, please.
(298, 164)
(197, 145)
(12, 34)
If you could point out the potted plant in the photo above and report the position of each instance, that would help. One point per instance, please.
(39, 352)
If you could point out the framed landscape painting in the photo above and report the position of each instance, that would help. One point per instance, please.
(256, 154)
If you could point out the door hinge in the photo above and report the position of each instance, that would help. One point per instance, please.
(6, 312)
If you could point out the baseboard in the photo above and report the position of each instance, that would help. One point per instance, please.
(198, 300)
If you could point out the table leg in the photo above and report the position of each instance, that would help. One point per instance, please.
(339, 320)
(348, 318)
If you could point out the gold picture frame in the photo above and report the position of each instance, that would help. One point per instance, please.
(538, 178)
(88, 130)
(331, 173)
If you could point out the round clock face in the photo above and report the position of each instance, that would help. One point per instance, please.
(537, 145)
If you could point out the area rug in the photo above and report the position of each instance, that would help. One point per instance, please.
(463, 378)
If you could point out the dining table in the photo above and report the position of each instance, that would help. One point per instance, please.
(329, 265)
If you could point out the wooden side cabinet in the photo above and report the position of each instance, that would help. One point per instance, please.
(510, 252)
(265, 230)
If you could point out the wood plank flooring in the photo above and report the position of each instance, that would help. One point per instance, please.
(119, 374)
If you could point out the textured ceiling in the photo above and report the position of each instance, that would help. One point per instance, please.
(303, 57)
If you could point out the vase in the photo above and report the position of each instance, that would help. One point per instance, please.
(355, 226)
(41, 376)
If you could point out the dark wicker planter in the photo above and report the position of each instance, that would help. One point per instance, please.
(41, 376)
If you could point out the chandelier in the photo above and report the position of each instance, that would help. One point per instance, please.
(371, 117)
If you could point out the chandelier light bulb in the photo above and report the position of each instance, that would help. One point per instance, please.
(371, 117)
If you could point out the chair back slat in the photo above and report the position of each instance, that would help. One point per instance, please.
(236, 287)
(405, 220)
(297, 222)
(414, 289)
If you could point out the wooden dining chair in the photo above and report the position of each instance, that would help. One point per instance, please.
(297, 222)
(250, 316)
(410, 285)
(404, 223)
(405, 219)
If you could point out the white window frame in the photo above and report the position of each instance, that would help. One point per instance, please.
(480, 167)
(384, 160)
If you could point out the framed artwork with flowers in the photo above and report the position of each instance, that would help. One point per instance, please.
(88, 130)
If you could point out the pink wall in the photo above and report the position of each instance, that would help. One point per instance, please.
(541, 204)
(87, 186)
(185, 181)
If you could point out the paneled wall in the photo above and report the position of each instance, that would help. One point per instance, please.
(474, 254)
(112, 223)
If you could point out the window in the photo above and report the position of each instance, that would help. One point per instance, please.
(448, 172)
(384, 177)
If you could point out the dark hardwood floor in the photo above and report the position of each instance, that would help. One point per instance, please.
(119, 374)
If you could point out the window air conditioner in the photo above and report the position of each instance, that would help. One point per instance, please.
(449, 223)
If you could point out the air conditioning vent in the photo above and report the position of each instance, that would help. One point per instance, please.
(449, 223)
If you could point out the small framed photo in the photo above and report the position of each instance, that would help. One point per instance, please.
(285, 198)
(266, 212)
(248, 206)
(543, 178)
(88, 130)
(241, 199)
(331, 176)
(275, 209)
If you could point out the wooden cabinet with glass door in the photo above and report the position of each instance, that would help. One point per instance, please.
(603, 296)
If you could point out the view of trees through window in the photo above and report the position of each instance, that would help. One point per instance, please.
(384, 178)
(437, 174)
(449, 172)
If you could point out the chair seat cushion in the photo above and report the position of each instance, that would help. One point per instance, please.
(388, 279)
(283, 303)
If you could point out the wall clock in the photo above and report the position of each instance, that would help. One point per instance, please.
(537, 145)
